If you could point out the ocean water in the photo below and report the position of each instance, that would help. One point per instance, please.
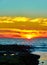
(39, 44)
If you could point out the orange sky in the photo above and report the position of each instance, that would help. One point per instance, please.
(22, 34)
(23, 27)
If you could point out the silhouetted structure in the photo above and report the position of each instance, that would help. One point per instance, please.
(17, 55)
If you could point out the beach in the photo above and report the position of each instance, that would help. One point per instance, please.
(43, 57)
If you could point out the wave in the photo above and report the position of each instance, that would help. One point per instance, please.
(38, 44)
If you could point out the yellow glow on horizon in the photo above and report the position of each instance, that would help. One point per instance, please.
(22, 33)
(29, 36)
(23, 22)
(27, 27)
(19, 30)
(37, 20)
(24, 19)
(21, 19)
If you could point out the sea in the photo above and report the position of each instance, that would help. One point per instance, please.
(39, 44)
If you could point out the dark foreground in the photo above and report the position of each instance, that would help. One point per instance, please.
(17, 55)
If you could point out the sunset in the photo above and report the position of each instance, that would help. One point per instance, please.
(23, 32)
(23, 27)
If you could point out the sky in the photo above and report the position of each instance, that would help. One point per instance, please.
(23, 27)
(28, 8)
(23, 18)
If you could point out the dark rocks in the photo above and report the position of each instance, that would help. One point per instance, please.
(24, 57)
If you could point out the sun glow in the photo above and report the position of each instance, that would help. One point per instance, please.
(18, 33)
(23, 27)
(28, 36)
